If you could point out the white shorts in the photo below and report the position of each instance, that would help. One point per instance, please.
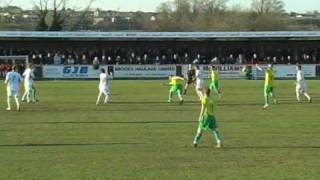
(12, 93)
(301, 88)
(27, 86)
(199, 84)
(104, 90)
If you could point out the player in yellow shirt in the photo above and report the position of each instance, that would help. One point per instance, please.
(268, 85)
(207, 120)
(214, 85)
(176, 87)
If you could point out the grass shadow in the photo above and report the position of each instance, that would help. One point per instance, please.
(67, 144)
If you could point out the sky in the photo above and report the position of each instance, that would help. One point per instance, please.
(151, 5)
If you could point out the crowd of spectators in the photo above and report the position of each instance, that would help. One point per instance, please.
(156, 56)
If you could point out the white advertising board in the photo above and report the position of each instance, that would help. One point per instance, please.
(143, 71)
(70, 72)
(286, 71)
(224, 71)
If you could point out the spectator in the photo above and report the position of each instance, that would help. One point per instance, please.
(77, 59)
(124, 61)
(196, 61)
(163, 59)
(289, 60)
(132, 58)
(268, 60)
(230, 59)
(186, 59)
(274, 60)
(254, 59)
(145, 59)
(198, 58)
(2, 70)
(39, 59)
(214, 60)
(162, 56)
(118, 60)
(70, 60)
(139, 61)
(48, 59)
(34, 58)
(157, 60)
(63, 58)
(57, 59)
(84, 59)
(314, 59)
(177, 59)
(96, 63)
(110, 60)
(104, 60)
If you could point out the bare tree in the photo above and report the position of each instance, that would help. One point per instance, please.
(210, 6)
(52, 14)
(164, 18)
(42, 9)
(82, 18)
(267, 6)
(267, 15)
(182, 9)
(58, 15)
(174, 15)
(209, 14)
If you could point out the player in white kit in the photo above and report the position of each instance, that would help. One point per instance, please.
(28, 76)
(13, 80)
(104, 87)
(199, 82)
(301, 85)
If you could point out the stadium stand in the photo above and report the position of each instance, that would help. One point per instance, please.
(163, 48)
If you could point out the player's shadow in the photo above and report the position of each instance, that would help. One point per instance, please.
(274, 147)
(155, 103)
(124, 122)
(281, 102)
(114, 122)
(111, 109)
(262, 147)
(138, 102)
(220, 103)
(68, 144)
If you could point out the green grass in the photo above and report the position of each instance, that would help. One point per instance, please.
(140, 136)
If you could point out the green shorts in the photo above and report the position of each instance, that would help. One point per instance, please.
(268, 90)
(214, 85)
(208, 122)
(176, 88)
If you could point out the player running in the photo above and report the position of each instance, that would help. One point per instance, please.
(214, 85)
(104, 87)
(301, 85)
(176, 87)
(29, 91)
(199, 82)
(190, 78)
(13, 80)
(268, 85)
(207, 120)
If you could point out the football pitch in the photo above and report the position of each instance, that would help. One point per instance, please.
(140, 136)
